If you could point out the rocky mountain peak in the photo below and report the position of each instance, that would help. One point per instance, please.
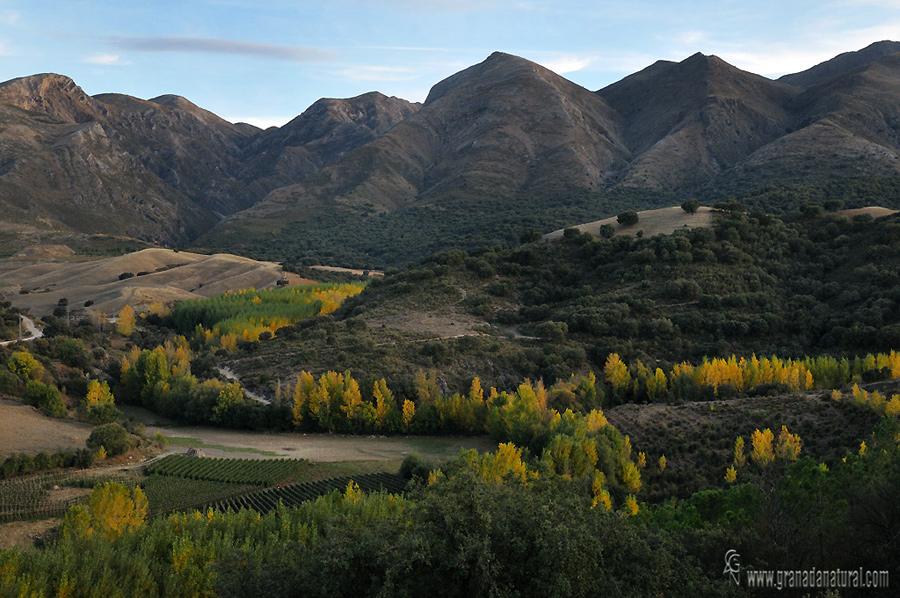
(53, 95)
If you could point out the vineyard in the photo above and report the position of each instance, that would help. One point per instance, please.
(255, 472)
(294, 494)
(38, 497)
(168, 493)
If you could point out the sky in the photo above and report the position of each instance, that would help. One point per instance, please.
(266, 61)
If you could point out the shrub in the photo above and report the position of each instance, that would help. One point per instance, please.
(691, 206)
(113, 437)
(628, 218)
(44, 397)
(414, 466)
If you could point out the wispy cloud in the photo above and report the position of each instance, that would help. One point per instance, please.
(567, 64)
(9, 17)
(106, 60)
(775, 59)
(203, 45)
(690, 38)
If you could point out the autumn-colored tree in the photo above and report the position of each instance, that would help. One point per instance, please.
(662, 463)
(112, 510)
(426, 386)
(98, 393)
(788, 445)
(303, 390)
(601, 495)
(631, 505)
(386, 415)
(408, 414)
(506, 462)
(125, 320)
(739, 458)
(23, 364)
(656, 384)
(763, 453)
(617, 374)
(642, 460)
(631, 477)
(731, 475)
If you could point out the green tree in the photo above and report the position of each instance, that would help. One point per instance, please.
(113, 437)
(628, 218)
(45, 397)
(691, 206)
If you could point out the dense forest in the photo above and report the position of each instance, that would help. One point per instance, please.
(797, 285)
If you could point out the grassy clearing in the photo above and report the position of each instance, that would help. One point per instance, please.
(197, 443)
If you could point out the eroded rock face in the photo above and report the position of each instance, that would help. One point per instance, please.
(163, 170)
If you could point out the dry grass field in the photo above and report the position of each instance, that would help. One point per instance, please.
(652, 222)
(24, 429)
(160, 275)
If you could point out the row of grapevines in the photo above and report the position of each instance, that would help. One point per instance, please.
(31, 497)
(294, 494)
(260, 472)
(169, 493)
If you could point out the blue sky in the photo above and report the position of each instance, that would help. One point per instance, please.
(265, 61)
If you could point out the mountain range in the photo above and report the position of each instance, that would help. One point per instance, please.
(501, 146)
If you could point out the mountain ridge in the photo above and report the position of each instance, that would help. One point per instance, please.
(505, 139)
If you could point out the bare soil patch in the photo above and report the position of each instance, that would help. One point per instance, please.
(24, 429)
(652, 222)
(436, 325)
(24, 534)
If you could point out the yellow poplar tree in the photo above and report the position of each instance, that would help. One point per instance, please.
(739, 458)
(730, 475)
(601, 495)
(125, 321)
(631, 477)
(98, 393)
(112, 510)
(762, 453)
(409, 412)
(788, 445)
(631, 505)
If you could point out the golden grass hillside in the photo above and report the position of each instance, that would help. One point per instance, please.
(160, 275)
(652, 222)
